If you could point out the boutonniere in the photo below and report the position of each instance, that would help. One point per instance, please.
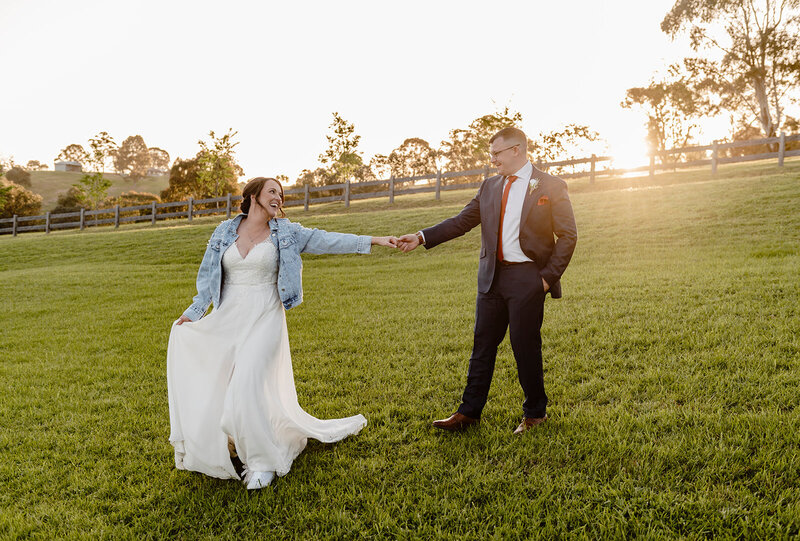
(532, 185)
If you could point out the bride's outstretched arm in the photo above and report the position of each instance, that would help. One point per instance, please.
(319, 241)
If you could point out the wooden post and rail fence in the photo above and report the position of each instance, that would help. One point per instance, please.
(436, 183)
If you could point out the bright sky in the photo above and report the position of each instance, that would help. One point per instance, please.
(171, 70)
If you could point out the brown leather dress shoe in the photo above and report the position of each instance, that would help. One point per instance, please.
(529, 422)
(455, 422)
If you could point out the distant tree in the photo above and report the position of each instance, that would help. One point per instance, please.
(6, 164)
(19, 200)
(72, 200)
(467, 149)
(342, 158)
(183, 181)
(571, 142)
(35, 165)
(102, 148)
(317, 177)
(218, 171)
(159, 158)
(792, 127)
(73, 153)
(673, 108)
(5, 195)
(364, 173)
(93, 187)
(757, 44)
(744, 132)
(379, 165)
(485, 127)
(347, 167)
(20, 176)
(414, 157)
(459, 151)
(132, 159)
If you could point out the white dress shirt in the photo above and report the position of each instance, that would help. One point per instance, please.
(511, 218)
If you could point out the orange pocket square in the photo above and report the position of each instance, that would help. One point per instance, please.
(543, 200)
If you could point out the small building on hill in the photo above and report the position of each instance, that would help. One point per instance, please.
(68, 166)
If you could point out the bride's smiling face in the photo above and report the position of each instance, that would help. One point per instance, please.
(270, 198)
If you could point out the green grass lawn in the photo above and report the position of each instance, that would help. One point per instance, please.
(672, 364)
(51, 184)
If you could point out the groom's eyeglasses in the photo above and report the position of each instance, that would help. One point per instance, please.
(495, 154)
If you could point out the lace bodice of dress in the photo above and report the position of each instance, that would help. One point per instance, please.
(258, 268)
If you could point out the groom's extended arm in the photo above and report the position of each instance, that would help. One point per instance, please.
(468, 218)
(454, 227)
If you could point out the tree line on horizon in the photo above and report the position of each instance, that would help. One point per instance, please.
(464, 149)
(214, 171)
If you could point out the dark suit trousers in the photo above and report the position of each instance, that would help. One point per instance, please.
(514, 302)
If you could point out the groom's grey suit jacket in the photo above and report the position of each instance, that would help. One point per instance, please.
(547, 227)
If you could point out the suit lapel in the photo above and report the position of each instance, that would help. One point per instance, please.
(531, 195)
(497, 202)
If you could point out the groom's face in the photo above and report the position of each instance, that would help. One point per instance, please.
(507, 156)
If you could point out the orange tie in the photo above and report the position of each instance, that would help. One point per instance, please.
(511, 180)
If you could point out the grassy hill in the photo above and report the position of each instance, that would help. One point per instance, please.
(672, 364)
(51, 184)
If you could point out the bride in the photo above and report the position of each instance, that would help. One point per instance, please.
(233, 407)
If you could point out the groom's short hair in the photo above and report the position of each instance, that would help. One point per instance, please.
(514, 135)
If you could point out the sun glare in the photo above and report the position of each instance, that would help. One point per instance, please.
(630, 154)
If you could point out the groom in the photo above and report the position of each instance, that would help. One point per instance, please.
(528, 235)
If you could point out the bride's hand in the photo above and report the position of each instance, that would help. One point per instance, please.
(181, 320)
(389, 242)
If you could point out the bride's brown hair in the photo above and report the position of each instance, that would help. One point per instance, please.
(254, 187)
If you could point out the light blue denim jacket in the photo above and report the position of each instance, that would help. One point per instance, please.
(290, 239)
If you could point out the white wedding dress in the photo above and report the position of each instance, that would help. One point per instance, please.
(230, 374)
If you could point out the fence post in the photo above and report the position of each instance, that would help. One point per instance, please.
(591, 173)
(391, 189)
(714, 158)
(153, 212)
(438, 184)
(14, 227)
(83, 218)
(485, 172)
(116, 216)
(305, 197)
(347, 193)
(781, 149)
(47, 222)
(190, 208)
(652, 164)
(228, 208)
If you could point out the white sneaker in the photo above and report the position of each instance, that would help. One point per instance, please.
(260, 479)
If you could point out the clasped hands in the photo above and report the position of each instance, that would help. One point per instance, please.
(406, 243)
